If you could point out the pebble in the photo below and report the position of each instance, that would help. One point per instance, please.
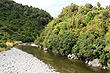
(18, 61)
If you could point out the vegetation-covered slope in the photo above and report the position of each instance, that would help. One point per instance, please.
(21, 23)
(82, 30)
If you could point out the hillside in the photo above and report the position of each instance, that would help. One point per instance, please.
(21, 23)
(81, 30)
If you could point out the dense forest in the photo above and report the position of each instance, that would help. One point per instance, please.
(21, 23)
(81, 30)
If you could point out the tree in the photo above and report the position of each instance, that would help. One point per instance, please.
(81, 9)
(88, 5)
(98, 4)
(21, 23)
(107, 7)
(89, 17)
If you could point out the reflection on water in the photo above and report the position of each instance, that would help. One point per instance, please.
(59, 63)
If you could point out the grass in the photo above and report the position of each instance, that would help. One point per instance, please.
(2, 49)
(9, 45)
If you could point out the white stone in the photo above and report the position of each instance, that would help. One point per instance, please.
(69, 55)
(34, 45)
(94, 63)
(16, 60)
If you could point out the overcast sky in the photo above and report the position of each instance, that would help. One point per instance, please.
(54, 7)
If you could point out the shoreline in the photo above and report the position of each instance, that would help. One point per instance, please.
(95, 63)
(16, 60)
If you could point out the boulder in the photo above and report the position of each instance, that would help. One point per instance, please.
(45, 49)
(34, 45)
(86, 62)
(89, 63)
(69, 55)
(105, 67)
(72, 56)
(94, 63)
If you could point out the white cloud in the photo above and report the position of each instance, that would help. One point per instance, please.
(54, 7)
(55, 11)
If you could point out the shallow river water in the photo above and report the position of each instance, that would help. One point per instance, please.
(59, 63)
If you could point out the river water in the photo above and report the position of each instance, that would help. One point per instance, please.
(59, 63)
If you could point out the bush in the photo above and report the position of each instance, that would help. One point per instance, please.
(89, 16)
(82, 30)
(89, 46)
(2, 45)
(108, 63)
(63, 43)
(105, 58)
(58, 20)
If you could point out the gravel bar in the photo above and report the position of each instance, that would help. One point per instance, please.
(18, 61)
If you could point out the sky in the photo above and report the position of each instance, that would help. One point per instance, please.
(54, 7)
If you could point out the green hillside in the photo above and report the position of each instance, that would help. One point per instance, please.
(21, 23)
(82, 30)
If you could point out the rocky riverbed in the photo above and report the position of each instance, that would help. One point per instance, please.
(17, 61)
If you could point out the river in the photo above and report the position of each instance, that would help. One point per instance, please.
(59, 63)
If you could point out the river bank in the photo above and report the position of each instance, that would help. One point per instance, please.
(59, 63)
(95, 63)
(15, 60)
(8, 45)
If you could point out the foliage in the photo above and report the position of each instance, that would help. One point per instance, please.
(91, 46)
(82, 30)
(21, 23)
(98, 4)
(108, 63)
(63, 45)
(89, 17)
(2, 45)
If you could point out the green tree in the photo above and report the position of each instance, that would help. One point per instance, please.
(89, 17)
(63, 43)
(21, 23)
(98, 4)
(81, 30)
(88, 5)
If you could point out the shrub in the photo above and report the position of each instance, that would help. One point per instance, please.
(80, 9)
(89, 46)
(89, 16)
(108, 63)
(63, 43)
(2, 45)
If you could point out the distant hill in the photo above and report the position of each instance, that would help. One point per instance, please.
(21, 23)
(81, 30)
